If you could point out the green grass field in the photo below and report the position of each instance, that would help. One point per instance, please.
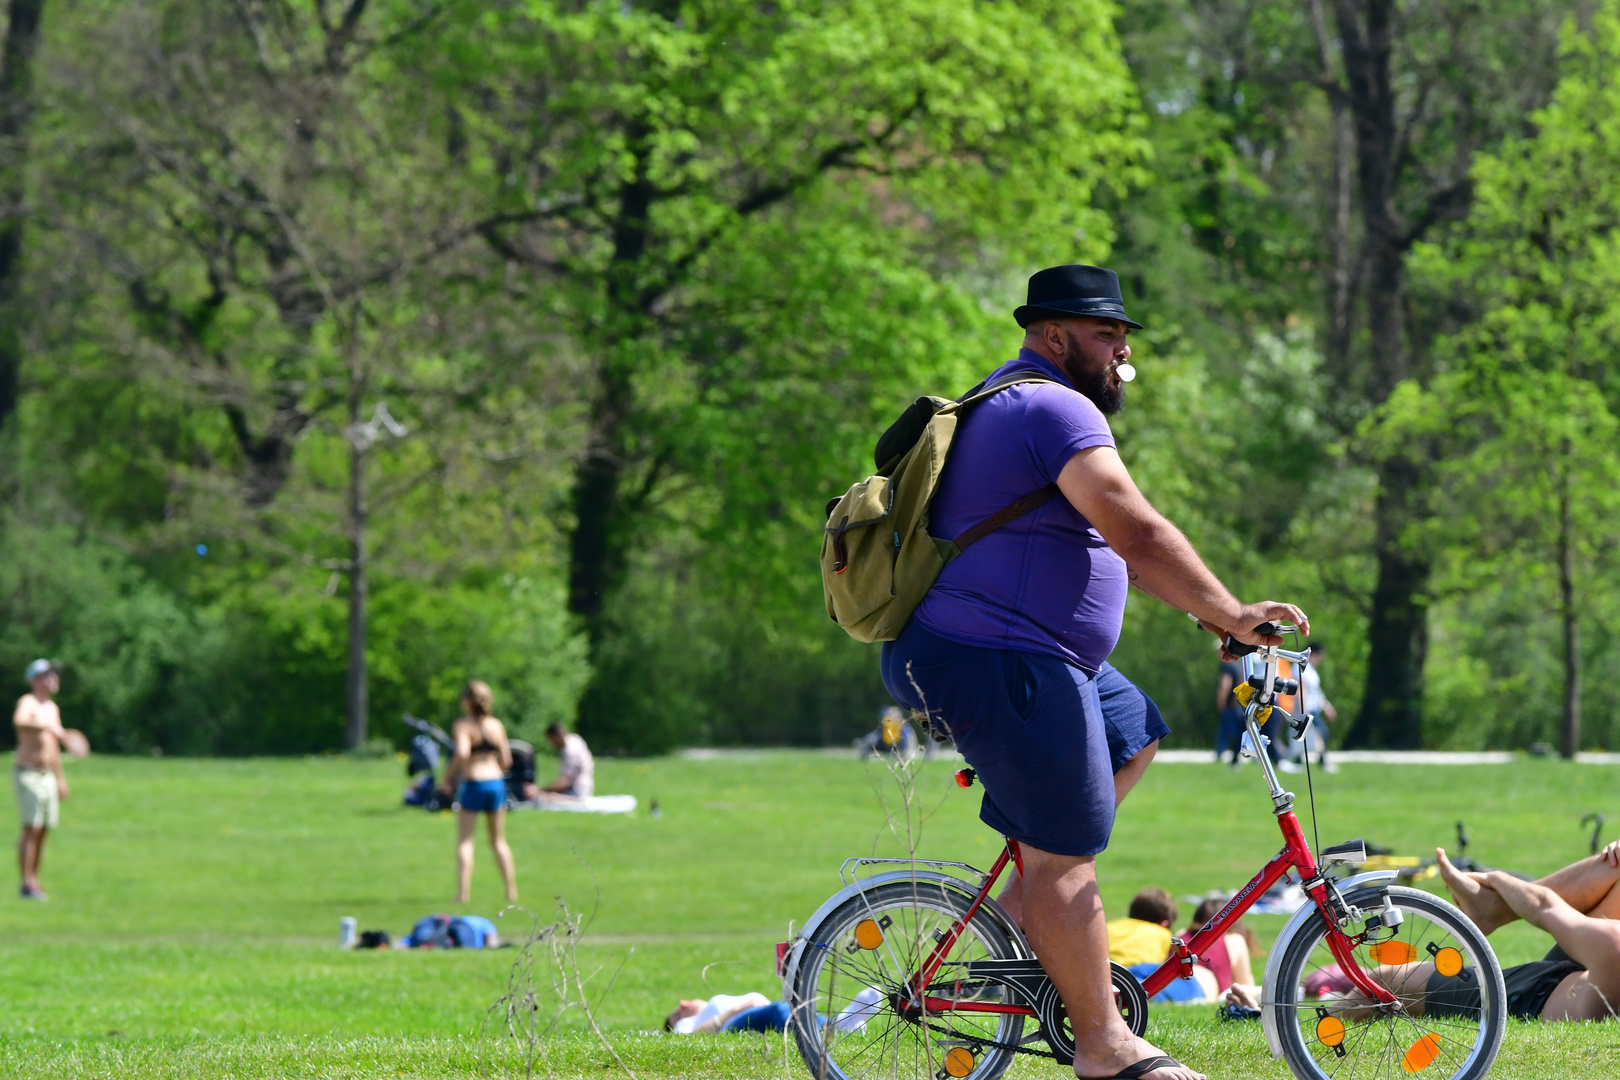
(194, 907)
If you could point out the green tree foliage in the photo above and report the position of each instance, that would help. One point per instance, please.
(526, 340)
(763, 226)
(1523, 419)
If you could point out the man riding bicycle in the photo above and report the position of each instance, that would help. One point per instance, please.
(1008, 649)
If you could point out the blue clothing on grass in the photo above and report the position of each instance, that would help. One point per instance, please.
(481, 796)
(772, 1017)
(1177, 990)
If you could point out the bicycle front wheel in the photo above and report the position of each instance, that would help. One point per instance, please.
(855, 966)
(1447, 1028)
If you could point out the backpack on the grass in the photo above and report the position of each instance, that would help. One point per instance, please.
(878, 559)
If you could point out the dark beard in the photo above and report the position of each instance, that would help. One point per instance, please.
(1097, 386)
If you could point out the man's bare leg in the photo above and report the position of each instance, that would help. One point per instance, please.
(1594, 943)
(1012, 896)
(1063, 918)
(39, 855)
(1590, 886)
(25, 857)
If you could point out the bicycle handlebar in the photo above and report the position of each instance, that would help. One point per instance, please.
(1238, 648)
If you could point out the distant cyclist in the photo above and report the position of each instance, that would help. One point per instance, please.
(1008, 649)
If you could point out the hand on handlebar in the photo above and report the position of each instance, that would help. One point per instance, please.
(1260, 627)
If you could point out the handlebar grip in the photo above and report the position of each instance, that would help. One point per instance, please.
(1238, 648)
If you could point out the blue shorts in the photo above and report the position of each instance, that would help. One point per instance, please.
(1044, 736)
(1130, 719)
(481, 796)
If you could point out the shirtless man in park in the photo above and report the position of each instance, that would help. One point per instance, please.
(41, 784)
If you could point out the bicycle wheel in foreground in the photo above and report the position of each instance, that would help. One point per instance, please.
(1328, 1034)
(846, 996)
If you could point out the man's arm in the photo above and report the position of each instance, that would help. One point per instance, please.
(30, 715)
(1160, 560)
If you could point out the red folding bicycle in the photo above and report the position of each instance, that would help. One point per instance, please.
(913, 970)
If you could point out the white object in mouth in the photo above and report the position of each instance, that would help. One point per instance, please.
(1126, 372)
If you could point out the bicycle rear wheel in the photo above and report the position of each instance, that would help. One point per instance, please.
(1330, 1034)
(845, 1000)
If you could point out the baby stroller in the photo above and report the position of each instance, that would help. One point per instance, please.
(432, 744)
(520, 786)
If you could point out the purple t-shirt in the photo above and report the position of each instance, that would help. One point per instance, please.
(1046, 582)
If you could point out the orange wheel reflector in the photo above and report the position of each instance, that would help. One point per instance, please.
(868, 935)
(1422, 1054)
(1330, 1031)
(1394, 953)
(959, 1062)
(1448, 962)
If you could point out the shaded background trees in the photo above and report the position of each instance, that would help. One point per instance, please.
(370, 346)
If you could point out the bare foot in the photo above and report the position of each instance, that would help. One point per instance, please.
(511, 896)
(461, 898)
(1129, 1053)
(1477, 900)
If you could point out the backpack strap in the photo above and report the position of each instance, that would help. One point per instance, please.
(982, 391)
(1012, 511)
(1032, 501)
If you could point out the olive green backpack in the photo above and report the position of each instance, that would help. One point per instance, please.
(878, 559)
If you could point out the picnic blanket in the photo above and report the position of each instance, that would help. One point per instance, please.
(594, 804)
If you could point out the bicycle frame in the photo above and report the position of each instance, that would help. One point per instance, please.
(1295, 855)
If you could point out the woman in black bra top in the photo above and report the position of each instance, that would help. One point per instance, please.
(480, 764)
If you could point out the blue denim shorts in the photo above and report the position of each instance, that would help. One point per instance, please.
(481, 796)
(1030, 724)
(1130, 719)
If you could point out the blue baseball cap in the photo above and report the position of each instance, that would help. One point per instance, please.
(38, 668)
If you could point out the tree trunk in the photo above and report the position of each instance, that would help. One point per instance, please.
(596, 550)
(16, 108)
(1570, 742)
(595, 557)
(1398, 629)
(357, 698)
(1341, 271)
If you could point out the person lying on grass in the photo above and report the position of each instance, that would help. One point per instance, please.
(1578, 979)
(755, 1012)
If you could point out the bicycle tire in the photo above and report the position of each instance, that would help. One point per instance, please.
(1328, 1041)
(835, 966)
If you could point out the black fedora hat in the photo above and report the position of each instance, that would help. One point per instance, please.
(1062, 292)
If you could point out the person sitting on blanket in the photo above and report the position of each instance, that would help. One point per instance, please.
(576, 775)
(1578, 979)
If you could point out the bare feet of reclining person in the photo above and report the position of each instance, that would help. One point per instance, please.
(1479, 902)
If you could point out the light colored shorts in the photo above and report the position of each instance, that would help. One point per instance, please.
(36, 797)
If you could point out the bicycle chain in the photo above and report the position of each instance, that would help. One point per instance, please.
(1016, 1048)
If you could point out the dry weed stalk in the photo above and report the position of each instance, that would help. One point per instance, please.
(545, 983)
